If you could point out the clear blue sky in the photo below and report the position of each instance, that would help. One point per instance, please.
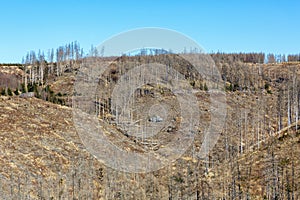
(226, 26)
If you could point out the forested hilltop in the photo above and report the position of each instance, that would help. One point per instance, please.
(256, 155)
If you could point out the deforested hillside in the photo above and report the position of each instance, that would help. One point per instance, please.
(42, 156)
(255, 157)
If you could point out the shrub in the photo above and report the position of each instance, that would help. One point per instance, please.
(201, 86)
(205, 87)
(23, 88)
(9, 92)
(17, 91)
(267, 86)
(178, 179)
(229, 88)
(192, 83)
(3, 91)
(30, 87)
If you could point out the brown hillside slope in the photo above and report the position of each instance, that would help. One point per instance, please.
(38, 150)
(41, 156)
